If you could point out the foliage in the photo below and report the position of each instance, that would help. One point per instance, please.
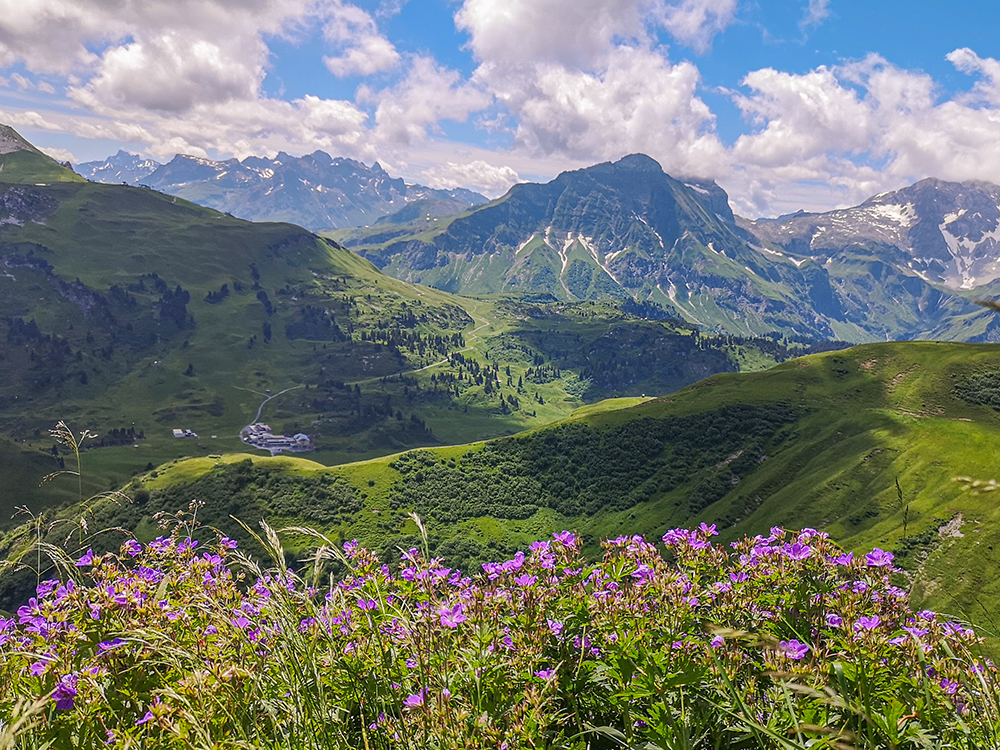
(575, 468)
(980, 388)
(784, 642)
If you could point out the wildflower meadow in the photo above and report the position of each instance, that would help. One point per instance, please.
(778, 641)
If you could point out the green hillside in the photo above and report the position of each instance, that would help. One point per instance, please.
(818, 441)
(34, 167)
(132, 313)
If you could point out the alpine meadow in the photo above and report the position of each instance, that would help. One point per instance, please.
(499, 376)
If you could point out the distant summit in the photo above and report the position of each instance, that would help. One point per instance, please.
(122, 167)
(945, 233)
(11, 141)
(315, 191)
(892, 267)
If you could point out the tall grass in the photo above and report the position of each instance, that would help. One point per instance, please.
(782, 642)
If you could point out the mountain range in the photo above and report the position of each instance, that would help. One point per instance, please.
(314, 191)
(133, 313)
(902, 265)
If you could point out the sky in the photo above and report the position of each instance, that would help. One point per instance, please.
(787, 104)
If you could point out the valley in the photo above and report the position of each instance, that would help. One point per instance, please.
(131, 311)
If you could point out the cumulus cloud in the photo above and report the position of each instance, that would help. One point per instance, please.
(170, 73)
(862, 127)
(478, 175)
(187, 76)
(428, 94)
(587, 80)
(569, 32)
(638, 102)
(988, 87)
(363, 50)
(579, 33)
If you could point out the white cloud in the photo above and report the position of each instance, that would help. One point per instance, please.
(59, 154)
(637, 102)
(570, 32)
(859, 128)
(171, 72)
(363, 50)
(22, 83)
(988, 87)
(46, 88)
(478, 175)
(579, 33)
(817, 12)
(696, 22)
(429, 94)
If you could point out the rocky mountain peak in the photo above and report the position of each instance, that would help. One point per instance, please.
(316, 191)
(11, 141)
(639, 163)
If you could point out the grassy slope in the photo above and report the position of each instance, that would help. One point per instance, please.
(106, 234)
(867, 416)
(34, 167)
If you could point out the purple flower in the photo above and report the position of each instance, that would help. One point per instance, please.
(555, 626)
(567, 538)
(707, 530)
(793, 649)
(674, 537)
(846, 559)
(147, 718)
(949, 686)
(87, 559)
(867, 623)
(798, 551)
(545, 674)
(525, 581)
(132, 548)
(39, 668)
(879, 558)
(834, 620)
(416, 700)
(643, 572)
(45, 588)
(109, 645)
(717, 642)
(187, 544)
(65, 693)
(452, 617)
(368, 604)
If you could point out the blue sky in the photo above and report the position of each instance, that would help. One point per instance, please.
(786, 103)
